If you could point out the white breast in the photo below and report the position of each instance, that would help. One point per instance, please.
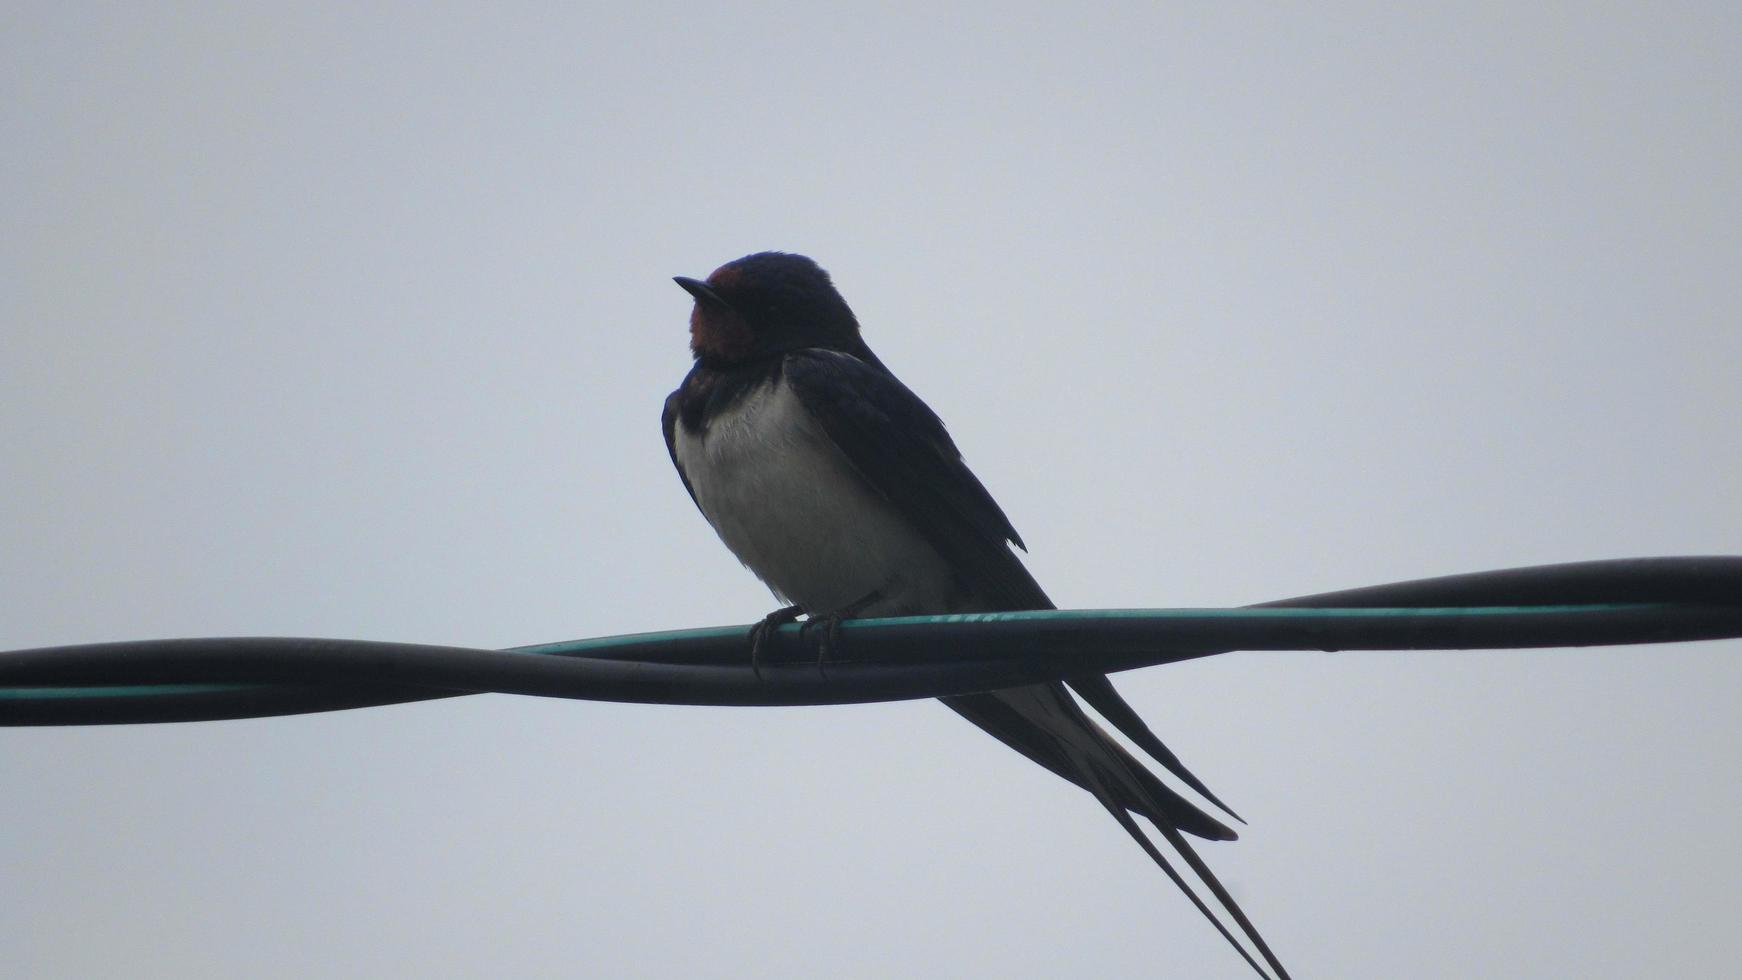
(785, 499)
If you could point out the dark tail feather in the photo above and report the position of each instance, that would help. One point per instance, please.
(1101, 793)
(1099, 692)
(1209, 879)
(1097, 782)
(1157, 801)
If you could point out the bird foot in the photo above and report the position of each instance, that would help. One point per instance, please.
(763, 633)
(831, 638)
(831, 627)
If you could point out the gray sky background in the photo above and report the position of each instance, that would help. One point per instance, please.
(347, 323)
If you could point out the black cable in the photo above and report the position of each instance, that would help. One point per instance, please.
(1591, 603)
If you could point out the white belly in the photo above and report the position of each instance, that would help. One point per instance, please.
(790, 506)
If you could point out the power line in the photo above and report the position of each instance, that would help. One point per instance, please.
(1648, 600)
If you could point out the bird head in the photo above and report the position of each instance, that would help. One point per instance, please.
(767, 304)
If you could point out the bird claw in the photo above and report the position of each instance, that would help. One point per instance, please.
(831, 638)
(831, 625)
(763, 633)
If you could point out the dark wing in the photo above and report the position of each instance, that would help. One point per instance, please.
(900, 448)
(669, 422)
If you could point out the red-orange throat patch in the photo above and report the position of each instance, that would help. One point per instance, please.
(719, 333)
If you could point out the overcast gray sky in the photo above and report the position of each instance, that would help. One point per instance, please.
(357, 323)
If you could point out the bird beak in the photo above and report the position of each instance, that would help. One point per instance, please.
(699, 289)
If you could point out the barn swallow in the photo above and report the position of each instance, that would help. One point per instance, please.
(841, 490)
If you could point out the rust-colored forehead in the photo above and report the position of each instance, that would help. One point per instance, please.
(726, 276)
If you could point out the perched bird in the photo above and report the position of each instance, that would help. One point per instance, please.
(841, 490)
